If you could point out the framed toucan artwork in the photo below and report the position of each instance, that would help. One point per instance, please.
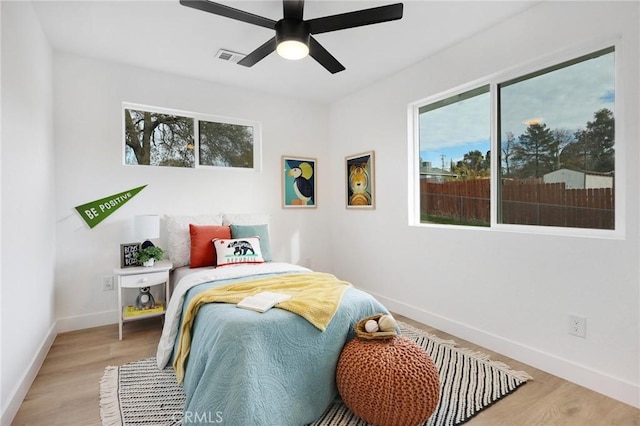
(299, 182)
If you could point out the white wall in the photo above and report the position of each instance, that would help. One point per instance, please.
(28, 222)
(510, 292)
(88, 96)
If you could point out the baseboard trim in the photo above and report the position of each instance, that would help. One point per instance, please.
(62, 325)
(80, 322)
(20, 392)
(613, 387)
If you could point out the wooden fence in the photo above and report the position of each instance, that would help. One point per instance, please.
(523, 202)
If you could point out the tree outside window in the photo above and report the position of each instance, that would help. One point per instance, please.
(156, 137)
(226, 145)
(555, 147)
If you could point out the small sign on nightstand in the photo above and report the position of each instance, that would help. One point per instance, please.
(128, 255)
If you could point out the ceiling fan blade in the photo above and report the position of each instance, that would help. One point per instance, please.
(229, 12)
(293, 9)
(326, 59)
(358, 18)
(257, 55)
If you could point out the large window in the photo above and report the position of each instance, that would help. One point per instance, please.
(455, 159)
(552, 134)
(557, 145)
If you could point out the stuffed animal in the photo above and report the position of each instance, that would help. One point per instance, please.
(145, 299)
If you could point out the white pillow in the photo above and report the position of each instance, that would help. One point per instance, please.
(244, 219)
(179, 239)
(231, 251)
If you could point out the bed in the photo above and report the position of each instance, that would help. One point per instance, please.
(250, 368)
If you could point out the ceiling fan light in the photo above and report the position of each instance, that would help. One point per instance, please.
(292, 49)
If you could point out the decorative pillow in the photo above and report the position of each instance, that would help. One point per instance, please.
(234, 251)
(261, 231)
(202, 236)
(244, 219)
(178, 239)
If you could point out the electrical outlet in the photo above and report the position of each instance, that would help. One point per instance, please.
(107, 283)
(577, 325)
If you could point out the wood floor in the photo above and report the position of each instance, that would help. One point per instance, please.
(66, 390)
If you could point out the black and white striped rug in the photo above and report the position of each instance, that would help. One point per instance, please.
(140, 394)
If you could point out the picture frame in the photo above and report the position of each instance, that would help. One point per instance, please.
(128, 255)
(299, 188)
(360, 181)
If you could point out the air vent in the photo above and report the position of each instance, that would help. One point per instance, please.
(228, 55)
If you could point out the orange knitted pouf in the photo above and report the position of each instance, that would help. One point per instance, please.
(388, 382)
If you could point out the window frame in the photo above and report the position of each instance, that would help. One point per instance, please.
(197, 118)
(493, 81)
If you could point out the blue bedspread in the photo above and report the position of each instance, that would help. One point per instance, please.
(273, 368)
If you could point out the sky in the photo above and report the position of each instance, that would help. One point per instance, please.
(566, 98)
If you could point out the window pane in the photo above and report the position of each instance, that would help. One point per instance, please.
(226, 145)
(557, 145)
(455, 158)
(155, 139)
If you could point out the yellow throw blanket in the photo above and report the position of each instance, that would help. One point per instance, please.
(314, 296)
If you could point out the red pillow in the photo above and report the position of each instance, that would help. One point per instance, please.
(202, 251)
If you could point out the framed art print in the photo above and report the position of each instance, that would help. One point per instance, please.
(360, 181)
(298, 182)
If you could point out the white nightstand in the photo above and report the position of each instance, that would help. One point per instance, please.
(143, 276)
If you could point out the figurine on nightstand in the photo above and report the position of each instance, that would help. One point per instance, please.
(145, 299)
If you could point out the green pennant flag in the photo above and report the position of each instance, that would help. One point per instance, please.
(96, 211)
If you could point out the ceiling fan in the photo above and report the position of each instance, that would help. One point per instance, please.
(293, 39)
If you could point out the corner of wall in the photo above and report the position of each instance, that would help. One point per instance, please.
(14, 401)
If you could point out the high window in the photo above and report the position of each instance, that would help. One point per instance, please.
(162, 137)
(537, 149)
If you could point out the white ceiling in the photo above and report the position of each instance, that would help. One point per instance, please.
(166, 36)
